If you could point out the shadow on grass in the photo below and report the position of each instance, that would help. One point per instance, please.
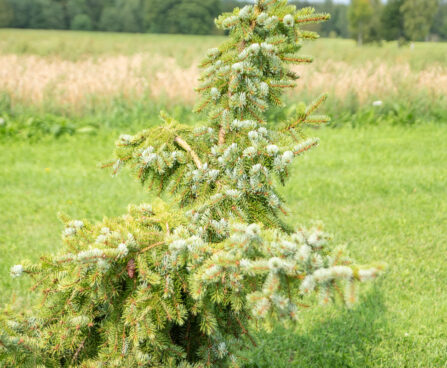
(344, 341)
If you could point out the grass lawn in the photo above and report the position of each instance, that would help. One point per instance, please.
(380, 190)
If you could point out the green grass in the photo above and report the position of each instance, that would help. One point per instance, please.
(34, 124)
(379, 188)
(71, 45)
(382, 190)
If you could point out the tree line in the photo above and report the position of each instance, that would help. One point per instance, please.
(158, 16)
(402, 20)
(363, 20)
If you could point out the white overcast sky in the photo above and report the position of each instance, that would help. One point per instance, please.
(335, 1)
(338, 1)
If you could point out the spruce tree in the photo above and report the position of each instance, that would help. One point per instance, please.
(183, 281)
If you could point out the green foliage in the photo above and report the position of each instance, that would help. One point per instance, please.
(31, 125)
(338, 24)
(131, 15)
(181, 16)
(90, 8)
(439, 26)
(47, 14)
(418, 17)
(388, 113)
(110, 20)
(196, 17)
(181, 282)
(122, 16)
(392, 21)
(35, 127)
(6, 13)
(23, 11)
(364, 20)
(81, 22)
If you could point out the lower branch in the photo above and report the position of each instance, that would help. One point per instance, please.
(245, 332)
(151, 246)
(221, 136)
(188, 149)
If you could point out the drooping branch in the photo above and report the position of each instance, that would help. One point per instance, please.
(221, 136)
(182, 143)
(80, 348)
(151, 246)
(245, 332)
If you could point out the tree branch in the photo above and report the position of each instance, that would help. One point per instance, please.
(245, 332)
(151, 246)
(221, 136)
(182, 143)
(80, 348)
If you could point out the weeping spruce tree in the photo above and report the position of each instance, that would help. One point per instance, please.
(183, 282)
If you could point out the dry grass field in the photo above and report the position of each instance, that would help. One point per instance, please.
(73, 71)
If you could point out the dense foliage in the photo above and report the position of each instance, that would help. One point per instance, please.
(418, 17)
(181, 282)
(402, 20)
(364, 20)
(174, 16)
(368, 20)
(159, 16)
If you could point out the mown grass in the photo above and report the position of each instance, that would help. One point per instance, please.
(382, 190)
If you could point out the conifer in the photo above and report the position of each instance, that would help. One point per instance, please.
(184, 282)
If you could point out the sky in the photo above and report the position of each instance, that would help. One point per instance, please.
(341, 1)
(336, 1)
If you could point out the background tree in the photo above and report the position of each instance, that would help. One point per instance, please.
(439, 26)
(195, 16)
(77, 12)
(364, 20)
(156, 12)
(47, 14)
(23, 11)
(339, 20)
(181, 16)
(229, 5)
(132, 18)
(94, 10)
(360, 14)
(368, 21)
(6, 14)
(123, 16)
(418, 17)
(338, 24)
(110, 20)
(81, 22)
(392, 21)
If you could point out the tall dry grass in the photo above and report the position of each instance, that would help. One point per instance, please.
(37, 81)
